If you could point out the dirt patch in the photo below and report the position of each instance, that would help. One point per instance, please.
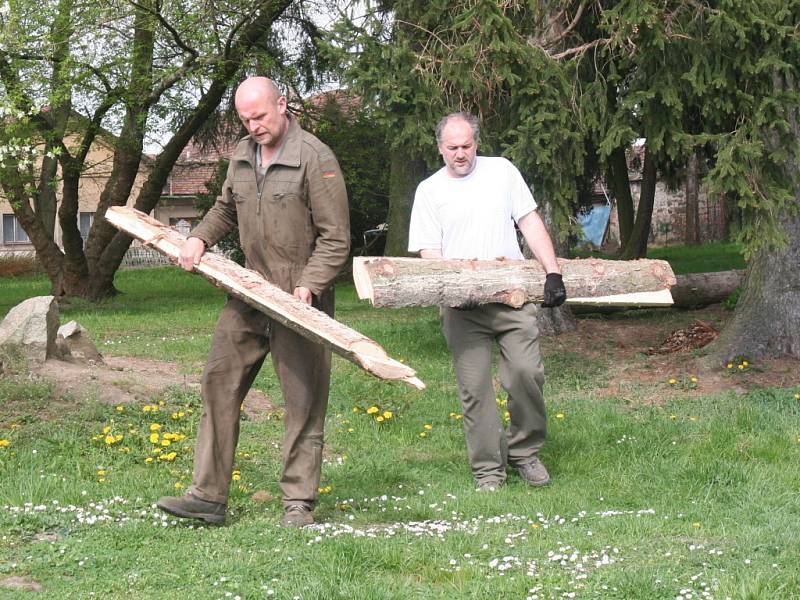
(127, 380)
(634, 374)
(19, 583)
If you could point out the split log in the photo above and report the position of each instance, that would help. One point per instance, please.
(256, 291)
(397, 282)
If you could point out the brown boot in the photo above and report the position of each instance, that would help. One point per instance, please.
(296, 516)
(534, 472)
(190, 506)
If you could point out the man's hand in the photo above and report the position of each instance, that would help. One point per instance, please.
(303, 293)
(191, 252)
(554, 291)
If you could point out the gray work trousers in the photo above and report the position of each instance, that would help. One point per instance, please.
(242, 339)
(470, 335)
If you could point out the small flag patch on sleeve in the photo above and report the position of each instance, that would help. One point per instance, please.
(328, 174)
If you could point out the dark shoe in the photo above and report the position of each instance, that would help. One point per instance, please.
(488, 486)
(296, 516)
(534, 472)
(190, 506)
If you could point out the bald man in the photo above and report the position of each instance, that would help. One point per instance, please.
(284, 191)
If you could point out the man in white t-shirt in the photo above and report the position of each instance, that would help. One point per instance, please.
(467, 210)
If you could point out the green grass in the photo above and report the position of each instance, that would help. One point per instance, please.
(707, 257)
(695, 494)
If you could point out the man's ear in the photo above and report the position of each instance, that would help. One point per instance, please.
(281, 105)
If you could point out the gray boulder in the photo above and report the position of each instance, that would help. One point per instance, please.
(74, 342)
(30, 328)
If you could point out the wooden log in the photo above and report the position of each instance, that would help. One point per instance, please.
(256, 291)
(702, 289)
(397, 282)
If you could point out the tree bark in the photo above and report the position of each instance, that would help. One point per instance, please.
(692, 187)
(636, 246)
(256, 291)
(702, 289)
(620, 184)
(398, 282)
(766, 321)
(406, 172)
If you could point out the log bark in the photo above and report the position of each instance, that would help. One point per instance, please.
(702, 289)
(397, 282)
(253, 289)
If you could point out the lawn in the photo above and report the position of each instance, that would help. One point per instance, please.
(662, 487)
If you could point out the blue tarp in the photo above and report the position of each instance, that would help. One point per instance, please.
(594, 222)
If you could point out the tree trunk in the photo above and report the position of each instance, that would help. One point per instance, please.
(398, 282)
(637, 243)
(620, 184)
(766, 321)
(406, 172)
(256, 291)
(692, 231)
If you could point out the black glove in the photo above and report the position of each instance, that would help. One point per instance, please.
(554, 291)
(468, 304)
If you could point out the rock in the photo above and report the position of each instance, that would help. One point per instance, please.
(30, 327)
(74, 342)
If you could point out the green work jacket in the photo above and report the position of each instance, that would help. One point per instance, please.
(296, 231)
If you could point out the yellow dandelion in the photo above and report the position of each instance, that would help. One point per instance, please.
(125, 450)
(118, 438)
(101, 472)
(154, 437)
(166, 442)
(423, 434)
(149, 459)
(745, 364)
(178, 485)
(109, 439)
(120, 408)
(161, 403)
(350, 430)
(673, 417)
(534, 526)
(428, 426)
(372, 410)
(157, 450)
(693, 379)
(101, 480)
(672, 381)
(107, 429)
(696, 525)
(387, 414)
(797, 396)
(155, 426)
(729, 366)
(356, 410)
(379, 418)
(237, 475)
(147, 408)
(559, 415)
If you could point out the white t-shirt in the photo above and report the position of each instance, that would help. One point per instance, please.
(472, 216)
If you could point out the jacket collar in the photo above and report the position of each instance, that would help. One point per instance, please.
(290, 157)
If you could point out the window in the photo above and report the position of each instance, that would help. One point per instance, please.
(86, 220)
(13, 232)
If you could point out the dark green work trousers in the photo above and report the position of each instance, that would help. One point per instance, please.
(242, 339)
(470, 335)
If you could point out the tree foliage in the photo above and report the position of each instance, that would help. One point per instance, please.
(70, 72)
